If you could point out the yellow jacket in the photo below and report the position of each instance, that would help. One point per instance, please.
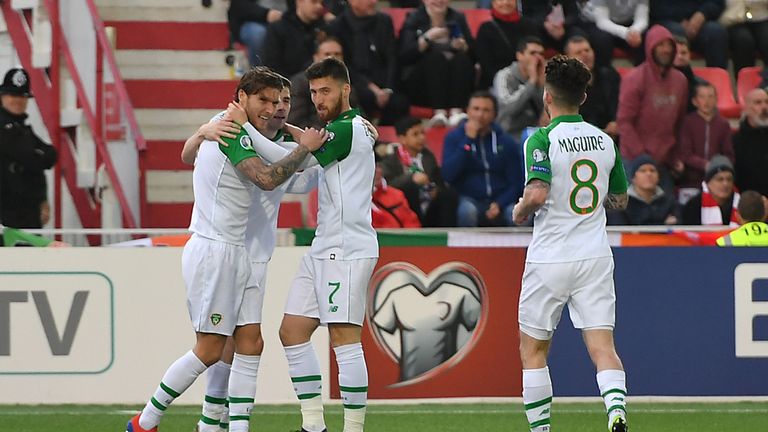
(749, 234)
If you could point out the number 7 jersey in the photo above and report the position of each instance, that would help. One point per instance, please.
(582, 166)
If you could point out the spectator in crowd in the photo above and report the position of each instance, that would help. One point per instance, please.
(648, 203)
(437, 54)
(754, 230)
(519, 88)
(652, 104)
(696, 20)
(368, 39)
(303, 113)
(292, 39)
(248, 21)
(683, 64)
(23, 158)
(602, 100)
(703, 134)
(390, 207)
(484, 165)
(497, 39)
(413, 169)
(747, 24)
(616, 24)
(557, 20)
(716, 203)
(750, 144)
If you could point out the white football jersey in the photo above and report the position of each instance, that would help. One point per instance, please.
(582, 165)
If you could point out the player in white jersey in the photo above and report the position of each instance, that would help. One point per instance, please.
(215, 262)
(330, 287)
(260, 240)
(574, 172)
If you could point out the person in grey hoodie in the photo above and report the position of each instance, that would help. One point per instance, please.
(519, 88)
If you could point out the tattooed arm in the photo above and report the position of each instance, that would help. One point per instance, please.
(616, 201)
(268, 177)
(534, 196)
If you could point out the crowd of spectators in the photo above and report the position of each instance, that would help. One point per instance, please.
(488, 90)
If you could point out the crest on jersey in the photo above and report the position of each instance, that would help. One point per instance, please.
(331, 136)
(426, 323)
(215, 319)
(539, 155)
(246, 142)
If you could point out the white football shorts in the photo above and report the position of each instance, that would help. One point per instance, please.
(253, 299)
(332, 290)
(585, 286)
(215, 274)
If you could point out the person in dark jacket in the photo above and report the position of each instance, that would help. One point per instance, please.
(750, 144)
(683, 64)
(248, 21)
(291, 41)
(497, 39)
(484, 165)
(413, 169)
(557, 20)
(602, 101)
(437, 55)
(368, 39)
(718, 200)
(648, 204)
(23, 158)
(696, 20)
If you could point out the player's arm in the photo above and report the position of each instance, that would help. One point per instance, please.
(211, 131)
(303, 182)
(271, 151)
(617, 197)
(534, 196)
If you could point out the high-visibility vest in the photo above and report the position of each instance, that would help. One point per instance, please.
(749, 234)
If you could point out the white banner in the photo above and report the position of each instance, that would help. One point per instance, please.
(101, 325)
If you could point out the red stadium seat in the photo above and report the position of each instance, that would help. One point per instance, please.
(475, 17)
(435, 141)
(422, 112)
(387, 134)
(720, 78)
(749, 79)
(290, 215)
(398, 16)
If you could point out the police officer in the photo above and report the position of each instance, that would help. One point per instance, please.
(23, 158)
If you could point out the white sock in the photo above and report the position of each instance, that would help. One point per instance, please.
(304, 369)
(177, 379)
(215, 402)
(537, 397)
(353, 384)
(242, 391)
(613, 389)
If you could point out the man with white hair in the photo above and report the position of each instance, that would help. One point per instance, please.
(750, 143)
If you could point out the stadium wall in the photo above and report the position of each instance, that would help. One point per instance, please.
(100, 325)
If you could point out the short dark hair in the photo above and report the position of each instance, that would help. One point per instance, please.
(751, 206)
(574, 40)
(701, 84)
(681, 40)
(286, 82)
(257, 79)
(523, 42)
(328, 38)
(566, 80)
(329, 67)
(485, 94)
(405, 124)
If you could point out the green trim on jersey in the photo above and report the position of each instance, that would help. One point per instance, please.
(339, 143)
(617, 182)
(240, 148)
(537, 164)
(283, 137)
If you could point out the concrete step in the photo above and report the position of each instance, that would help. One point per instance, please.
(173, 65)
(169, 186)
(172, 124)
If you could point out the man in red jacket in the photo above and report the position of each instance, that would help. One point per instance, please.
(652, 102)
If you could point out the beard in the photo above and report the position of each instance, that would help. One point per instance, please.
(760, 120)
(331, 111)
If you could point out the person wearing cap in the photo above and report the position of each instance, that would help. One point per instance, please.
(754, 231)
(23, 158)
(718, 201)
(648, 204)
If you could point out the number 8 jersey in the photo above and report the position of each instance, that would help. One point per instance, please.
(582, 165)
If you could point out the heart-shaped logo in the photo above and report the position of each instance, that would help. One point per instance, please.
(426, 323)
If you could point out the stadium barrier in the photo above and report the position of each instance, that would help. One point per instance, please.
(100, 325)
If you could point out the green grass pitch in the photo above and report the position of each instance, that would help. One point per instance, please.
(570, 417)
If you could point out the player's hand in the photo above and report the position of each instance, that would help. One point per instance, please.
(295, 131)
(237, 113)
(493, 211)
(219, 129)
(517, 217)
(313, 139)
